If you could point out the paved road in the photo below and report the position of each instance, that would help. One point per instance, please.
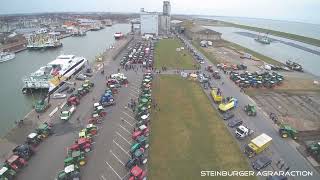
(48, 160)
(284, 148)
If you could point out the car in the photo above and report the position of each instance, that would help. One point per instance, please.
(261, 162)
(81, 77)
(227, 115)
(235, 123)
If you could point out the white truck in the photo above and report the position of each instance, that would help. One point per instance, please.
(243, 131)
(65, 115)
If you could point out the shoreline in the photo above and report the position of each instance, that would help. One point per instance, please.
(295, 37)
(17, 134)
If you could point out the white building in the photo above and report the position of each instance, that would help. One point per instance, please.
(149, 23)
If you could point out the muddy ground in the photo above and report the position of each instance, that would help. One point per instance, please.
(300, 111)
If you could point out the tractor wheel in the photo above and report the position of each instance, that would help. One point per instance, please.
(295, 138)
(82, 162)
(284, 135)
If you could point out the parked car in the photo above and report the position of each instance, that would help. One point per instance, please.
(227, 115)
(235, 123)
(261, 162)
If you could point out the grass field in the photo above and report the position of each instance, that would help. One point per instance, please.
(170, 58)
(188, 135)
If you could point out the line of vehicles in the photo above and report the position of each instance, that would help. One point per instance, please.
(138, 159)
(77, 152)
(23, 152)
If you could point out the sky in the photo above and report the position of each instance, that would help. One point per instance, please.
(291, 10)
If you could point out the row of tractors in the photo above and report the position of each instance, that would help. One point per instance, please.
(76, 156)
(74, 100)
(23, 152)
(141, 131)
(256, 79)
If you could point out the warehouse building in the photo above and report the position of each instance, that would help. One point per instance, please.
(149, 22)
(201, 33)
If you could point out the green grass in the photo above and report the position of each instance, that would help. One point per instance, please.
(188, 135)
(170, 58)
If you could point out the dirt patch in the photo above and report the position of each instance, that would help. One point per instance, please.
(300, 111)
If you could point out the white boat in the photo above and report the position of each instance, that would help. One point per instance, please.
(49, 77)
(118, 35)
(59, 96)
(4, 56)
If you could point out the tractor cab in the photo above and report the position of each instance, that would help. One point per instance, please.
(143, 140)
(83, 144)
(25, 151)
(71, 172)
(65, 115)
(75, 157)
(44, 130)
(41, 106)
(33, 139)
(136, 173)
(73, 101)
(91, 129)
(6, 173)
(287, 131)
(142, 130)
(250, 109)
(16, 162)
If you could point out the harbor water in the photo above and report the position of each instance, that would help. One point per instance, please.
(281, 50)
(14, 105)
(299, 28)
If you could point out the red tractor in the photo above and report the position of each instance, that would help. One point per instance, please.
(137, 173)
(83, 144)
(142, 131)
(16, 162)
(73, 101)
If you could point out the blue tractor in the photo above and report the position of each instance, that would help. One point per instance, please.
(107, 100)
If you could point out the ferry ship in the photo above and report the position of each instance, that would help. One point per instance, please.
(48, 78)
(43, 41)
(5, 56)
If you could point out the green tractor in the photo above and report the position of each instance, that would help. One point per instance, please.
(314, 150)
(41, 106)
(44, 130)
(75, 157)
(6, 173)
(287, 131)
(250, 109)
(70, 172)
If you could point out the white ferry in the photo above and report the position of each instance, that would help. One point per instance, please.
(49, 77)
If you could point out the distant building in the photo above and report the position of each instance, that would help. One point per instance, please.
(149, 23)
(165, 18)
(201, 33)
(166, 8)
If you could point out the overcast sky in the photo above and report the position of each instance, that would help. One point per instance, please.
(292, 10)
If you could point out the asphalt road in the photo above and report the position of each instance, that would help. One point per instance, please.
(280, 148)
(112, 134)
